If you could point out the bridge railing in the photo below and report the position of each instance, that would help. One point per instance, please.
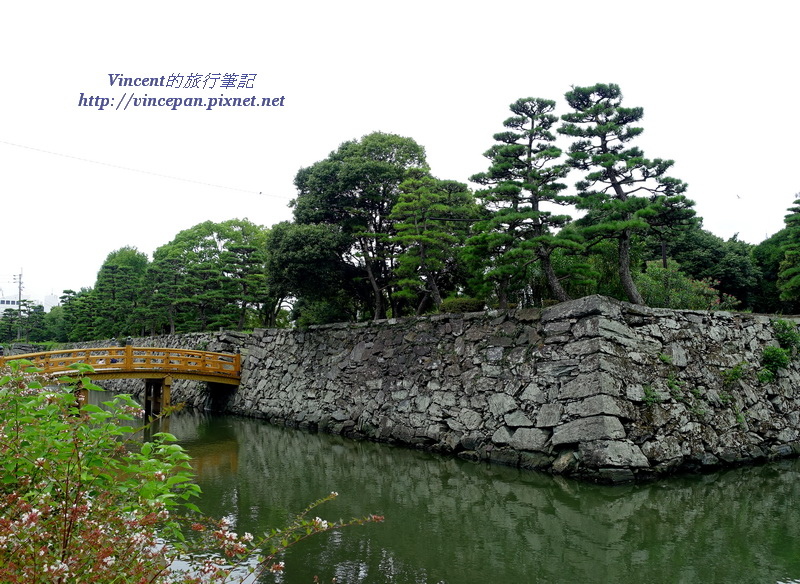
(134, 359)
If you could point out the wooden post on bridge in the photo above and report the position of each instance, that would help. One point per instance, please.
(156, 396)
(166, 387)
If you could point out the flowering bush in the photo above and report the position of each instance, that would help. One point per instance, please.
(81, 502)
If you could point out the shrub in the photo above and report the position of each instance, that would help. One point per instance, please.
(786, 334)
(461, 304)
(82, 503)
(772, 359)
(734, 374)
(76, 504)
(651, 396)
(670, 288)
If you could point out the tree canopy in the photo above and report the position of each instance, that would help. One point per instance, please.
(621, 188)
(523, 176)
(377, 235)
(356, 188)
(789, 268)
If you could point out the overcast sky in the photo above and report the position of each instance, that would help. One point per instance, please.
(718, 83)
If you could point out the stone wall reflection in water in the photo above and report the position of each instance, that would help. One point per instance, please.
(453, 521)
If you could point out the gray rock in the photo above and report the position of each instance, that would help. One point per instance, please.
(501, 403)
(517, 419)
(549, 415)
(612, 453)
(588, 429)
(529, 439)
(594, 406)
(590, 384)
(502, 436)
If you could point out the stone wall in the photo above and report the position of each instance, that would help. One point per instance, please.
(593, 388)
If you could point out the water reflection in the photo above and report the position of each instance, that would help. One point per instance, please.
(459, 522)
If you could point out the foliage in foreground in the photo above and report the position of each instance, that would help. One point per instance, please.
(82, 502)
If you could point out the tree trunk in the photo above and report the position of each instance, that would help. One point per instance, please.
(502, 293)
(378, 305)
(631, 291)
(423, 304)
(552, 280)
(434, 289)
(628, 285)
(242, 316)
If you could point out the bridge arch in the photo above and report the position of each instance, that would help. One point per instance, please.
(158, 366)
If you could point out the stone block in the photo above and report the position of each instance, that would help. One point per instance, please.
(528, 314)
(471, 419)
(612, 453)
(517, 419)
(529, 439)
(502, 436)
(587, 306)
(549, 415)
(590, 384)
(505, 457)
(594, 406)
(494, 354)
(533, 393)
(677, 355)
(559, 368)
(588, 429)
(501, 403)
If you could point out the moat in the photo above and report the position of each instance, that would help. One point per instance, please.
(453, 521)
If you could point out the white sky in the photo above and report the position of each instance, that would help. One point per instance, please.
(718, 82)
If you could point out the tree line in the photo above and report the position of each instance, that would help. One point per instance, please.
(376, 235)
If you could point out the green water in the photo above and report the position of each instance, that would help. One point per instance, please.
(453, 521)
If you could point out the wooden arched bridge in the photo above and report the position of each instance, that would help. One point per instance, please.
(158, 366)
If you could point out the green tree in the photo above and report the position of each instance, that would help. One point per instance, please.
(767, 257)
(789, 269)
(9, 325)
(668, 217)
(736, 273)
(80, 309)
(164, 291)
(670, 288)
(209, 276)
(243, 263)
(616, 175)
(118, 290)
(730, 265)
(355, 188)
(522, 177)
(305, 263)
(432, 219)
(54, 326)
(33, 326)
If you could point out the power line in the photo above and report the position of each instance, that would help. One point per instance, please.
(128, 168)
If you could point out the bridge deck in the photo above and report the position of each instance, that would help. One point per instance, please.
(140, 362)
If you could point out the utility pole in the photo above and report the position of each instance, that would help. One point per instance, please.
(18, 280)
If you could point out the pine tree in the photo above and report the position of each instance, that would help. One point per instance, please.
(617, 175)
(432, 219)
(523, 176)
(789, 271)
